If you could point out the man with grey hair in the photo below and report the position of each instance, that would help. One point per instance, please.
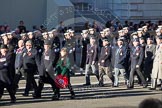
(30, 64)
(19, 71)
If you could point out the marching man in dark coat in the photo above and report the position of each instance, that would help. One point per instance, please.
(149, 58)
(5, 75)
(30, 64)
(84, 43)
(137, 56)
(18, 64)
(105, 62)
(46, 71)
(55, 42)
(119, 65)
(91, 60)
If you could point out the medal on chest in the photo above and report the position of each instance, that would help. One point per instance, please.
(121, 53)
(92, 51)
(46, 57)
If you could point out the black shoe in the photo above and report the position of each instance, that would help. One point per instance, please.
(152, 88)
(160, 89)
(25, 94)
(56, 97)
(72, 96)
(149, 80)
(13, 100)
(86, 84)
(101, 84)
(0, 96)
(130, 87)
(144, 85)
(115, 86)
(36, 96)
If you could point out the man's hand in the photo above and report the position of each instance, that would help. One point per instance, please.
(137, 66)
(71, 51)
(93, 62)
(103, 61)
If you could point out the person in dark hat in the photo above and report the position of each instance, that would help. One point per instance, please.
(100, 40)
(142, 42)
(92, 33)
(11, 48)
(126, 35)
(84, 42)
(37, 41)
(91, 60)
(5, 75)
(46, 71)
(73, 41)
(21, 27)
(68, 43)
(30, 65)
(146, 34)
(23, 36)
(120, 56)
(55, 42)
(104, 62)
(143, 45)
(12, 41)
(137, 56)
(149, 57)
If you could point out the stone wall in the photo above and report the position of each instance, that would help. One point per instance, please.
(133, 9)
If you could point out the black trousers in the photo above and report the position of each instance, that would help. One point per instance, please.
(131, 76)
(17, 77)
(83, 58)
(148, 69)
(45, 79)
(9, 89)
(30, 81)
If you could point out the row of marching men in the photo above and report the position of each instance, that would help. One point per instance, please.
(29, 54)
(104, 53)
(127, 54)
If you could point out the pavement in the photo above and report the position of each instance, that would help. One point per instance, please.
(91, 96)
